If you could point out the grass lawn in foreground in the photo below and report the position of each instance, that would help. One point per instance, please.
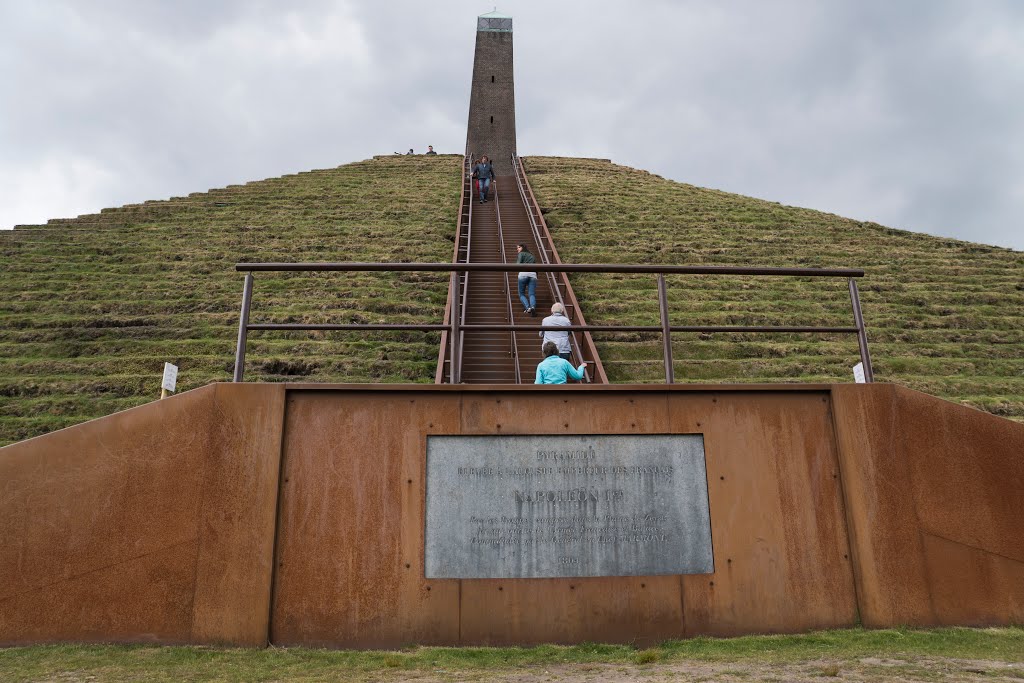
(855, 654)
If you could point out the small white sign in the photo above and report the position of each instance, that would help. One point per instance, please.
(858, 373)
(170, 376)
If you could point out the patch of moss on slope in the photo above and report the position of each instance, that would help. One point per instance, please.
(944, 316)
(93, 306)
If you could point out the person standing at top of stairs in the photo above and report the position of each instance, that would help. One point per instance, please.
(484, 173)
(527, 281)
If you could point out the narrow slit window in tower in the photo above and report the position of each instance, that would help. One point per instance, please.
(492, 106)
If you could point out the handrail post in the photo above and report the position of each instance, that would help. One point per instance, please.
(453, 366)
(862, 336)
(666, 332)
(243, 328)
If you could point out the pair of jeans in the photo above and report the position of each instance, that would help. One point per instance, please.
(528, 285)
(485, 185)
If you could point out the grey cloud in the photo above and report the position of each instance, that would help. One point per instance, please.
(905, 113)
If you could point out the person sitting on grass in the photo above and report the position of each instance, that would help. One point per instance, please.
(554, 369)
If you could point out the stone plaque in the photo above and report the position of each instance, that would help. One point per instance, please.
(561, 506)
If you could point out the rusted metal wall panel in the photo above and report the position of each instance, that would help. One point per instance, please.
(970, 586)
(158, 523)
(968, 472)
(350, 539)
(641, 610)
(934, 502)
(780, 543)
(882, 520)
(240, 490)
(147, 525)
(144, 598)
(782, 559)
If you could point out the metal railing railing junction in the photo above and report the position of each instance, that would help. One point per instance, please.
(456, 326)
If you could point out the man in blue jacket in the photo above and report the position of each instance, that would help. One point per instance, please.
(484, 172)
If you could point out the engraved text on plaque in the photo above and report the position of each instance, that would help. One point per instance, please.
(560, 506)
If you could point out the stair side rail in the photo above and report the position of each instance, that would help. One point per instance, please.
(462, 244)
(557, 281)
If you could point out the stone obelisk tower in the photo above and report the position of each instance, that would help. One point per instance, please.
(492, 101)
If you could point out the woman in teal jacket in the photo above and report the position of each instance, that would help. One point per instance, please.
(554, 369)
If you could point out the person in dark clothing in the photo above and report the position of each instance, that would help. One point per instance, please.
(430, 150)
(527, 281)
(484, 173)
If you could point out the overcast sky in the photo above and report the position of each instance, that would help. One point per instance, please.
(905, 112)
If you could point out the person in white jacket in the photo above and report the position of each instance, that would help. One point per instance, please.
(560, 339)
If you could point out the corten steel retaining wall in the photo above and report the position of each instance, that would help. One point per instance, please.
(153, 524)
(350, 543)
(245, 513)
(935, 508)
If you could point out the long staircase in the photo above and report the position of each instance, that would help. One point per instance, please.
(489, 233)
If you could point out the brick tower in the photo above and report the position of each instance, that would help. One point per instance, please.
(492, 101)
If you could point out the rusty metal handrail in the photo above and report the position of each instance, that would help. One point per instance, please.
(539, 267)
(588, 347)
(463, 304)
(499, 327)
(544, 245)
(513, 348)
(455, 329)
(451, 351)
(467, 187)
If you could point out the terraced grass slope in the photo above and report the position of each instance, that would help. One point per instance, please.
(945, 317)
(91, 307)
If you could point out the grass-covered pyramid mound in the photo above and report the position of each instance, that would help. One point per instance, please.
(93, 306)
(945, 317)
